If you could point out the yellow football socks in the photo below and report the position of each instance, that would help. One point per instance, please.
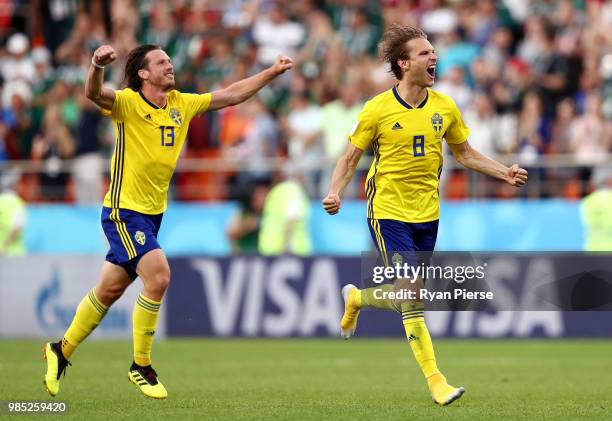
(88, 315)
(373, 298)
(145, 315)
(413, 317)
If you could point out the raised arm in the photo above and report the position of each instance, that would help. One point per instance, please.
(474, 160)
(242, 90)
(101, 96)
(343, 173)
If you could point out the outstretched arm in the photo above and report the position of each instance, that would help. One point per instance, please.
(242, 90)
(103, 97)
(343, 173)
(474, 160)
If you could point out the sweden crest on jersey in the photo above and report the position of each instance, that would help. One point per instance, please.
(175, 115)
(437, 122)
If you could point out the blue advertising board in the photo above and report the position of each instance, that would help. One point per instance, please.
(200, 229)
(295, 297)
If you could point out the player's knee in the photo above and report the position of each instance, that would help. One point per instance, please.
(110, 293)
(160, 281)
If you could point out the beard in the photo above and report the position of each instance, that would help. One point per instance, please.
(164, 83)
(168, 86)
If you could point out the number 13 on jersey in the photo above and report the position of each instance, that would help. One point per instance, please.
(167, 135)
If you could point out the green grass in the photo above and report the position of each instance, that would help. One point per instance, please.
(324, 379)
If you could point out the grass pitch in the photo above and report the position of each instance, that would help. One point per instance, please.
(323, 379)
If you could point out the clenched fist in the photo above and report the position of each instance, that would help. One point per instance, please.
(516, 176)
(104, 55)
(282, 64)
(331, 204)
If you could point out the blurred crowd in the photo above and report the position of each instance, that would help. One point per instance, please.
(532, 78)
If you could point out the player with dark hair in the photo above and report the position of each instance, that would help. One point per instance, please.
(405, 126)
(151, 119)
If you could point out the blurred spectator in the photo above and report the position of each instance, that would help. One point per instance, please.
(12, 217)
(15, 120)
(561, 133)
(320, 40)
(284, 225)
(124, 21)
(568, 43)
(18, 65)
(219, 65)
(88, 166)
(6, 17)
(560, 50)
(305, 145)
(89, 33)
(529, 47)
(483, 124)
(56, 19)
(453, 84)
(455, 52)
(337, 120)
(532, 129)
(4, 131)
(532, 135)
(509, 92)
(595, 212)
(244, 226)
(542, 7)
(259, 144)
(483, 22)
(606, 71)
(591, 138)
(563, 127)
(43, 82)
(484, 74)
(549, 71)
(53, 145)
(239, 13)
(497, 48)
(485, 135)
(438, 18)
(359, 37)
(162, 29)
(276, 34)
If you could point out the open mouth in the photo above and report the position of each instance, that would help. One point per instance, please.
(431, 70)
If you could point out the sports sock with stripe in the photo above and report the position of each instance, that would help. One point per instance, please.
(413, 318)
(145, 315)
(373, 298)
(88, 315)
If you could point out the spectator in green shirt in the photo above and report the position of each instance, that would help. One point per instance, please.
(596, 211)
(284, 226)
(12, 217)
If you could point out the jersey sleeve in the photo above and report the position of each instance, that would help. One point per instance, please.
(120, 107)
(196, 104)
(457, 132)
(365, 129)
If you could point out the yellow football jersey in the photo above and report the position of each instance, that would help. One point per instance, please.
(402, 183)
(149, 142)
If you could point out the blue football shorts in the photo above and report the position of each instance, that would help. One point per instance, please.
(399, 242)
(130, 235)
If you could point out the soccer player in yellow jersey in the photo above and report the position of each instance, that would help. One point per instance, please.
(405, 127)
(151, 119)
